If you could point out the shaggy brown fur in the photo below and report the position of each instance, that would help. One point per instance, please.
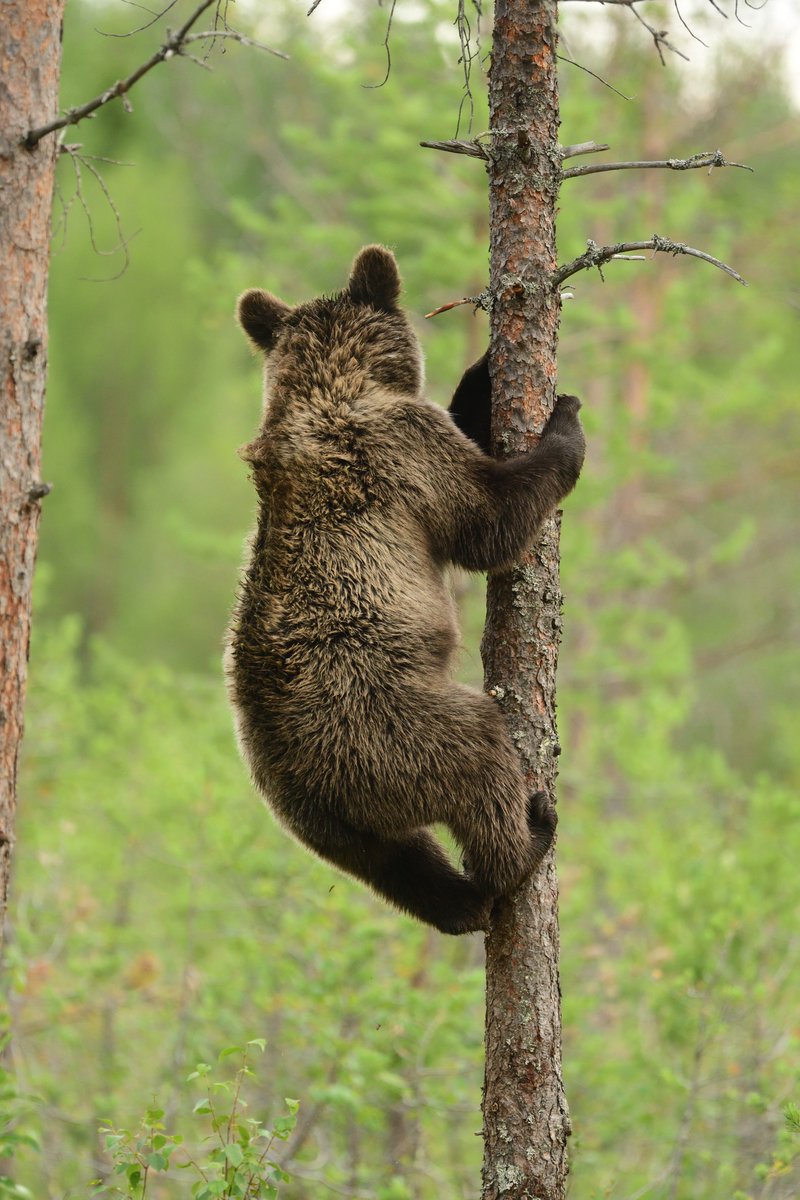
(338, 655)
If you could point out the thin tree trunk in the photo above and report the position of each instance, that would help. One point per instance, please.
(30, 62)
(526, 1120)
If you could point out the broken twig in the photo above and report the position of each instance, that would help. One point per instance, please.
(482, 300)
(458, 146)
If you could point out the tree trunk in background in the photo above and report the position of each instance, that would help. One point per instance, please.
(526, 1121)
(30, 62)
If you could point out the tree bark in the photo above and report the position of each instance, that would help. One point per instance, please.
(30, 63)
(526, 1120)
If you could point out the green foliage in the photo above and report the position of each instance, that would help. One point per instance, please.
(162, 379)
(164, 911)
(158, 910)
(17, 1129)
(239, 1166)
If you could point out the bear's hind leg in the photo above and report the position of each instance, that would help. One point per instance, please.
(503, 831)
(413, 872)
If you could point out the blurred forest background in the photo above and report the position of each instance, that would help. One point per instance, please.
(159, 914)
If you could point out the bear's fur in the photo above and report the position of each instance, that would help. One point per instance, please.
(339, 650)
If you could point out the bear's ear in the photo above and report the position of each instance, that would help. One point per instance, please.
(374, 278)
(261, 316)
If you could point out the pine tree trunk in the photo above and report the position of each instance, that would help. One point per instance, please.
(30, 62)
(526, 1120)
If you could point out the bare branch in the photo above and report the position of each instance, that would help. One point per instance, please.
(595, 256)
(76, 147)
(221, 14)
(174, 45)
(455, 146)
(631, 3)
(482, 300)
(198, 62)
(659, 37)
(73, 115)
(583, 148)
(218, 34)
(687, 27)
(594, 75)
(753, 7)
(468, 55)
(386, 36)
(78, 161)
(154, 18)
(709, 158)
(474, 149)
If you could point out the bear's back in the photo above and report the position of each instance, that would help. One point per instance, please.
(341, 571)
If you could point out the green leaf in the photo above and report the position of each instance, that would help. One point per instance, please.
(234, 1154)
(29, 1138)
(229, 1050)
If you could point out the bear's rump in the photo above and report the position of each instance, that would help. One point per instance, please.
(401, 754)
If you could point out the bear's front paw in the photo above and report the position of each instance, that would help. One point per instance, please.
(567, 403)
(542, 822)
(564, 417)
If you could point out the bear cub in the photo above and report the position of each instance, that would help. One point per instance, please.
(339, 650)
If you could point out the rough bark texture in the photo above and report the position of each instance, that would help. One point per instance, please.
(30, 61)
(526, 1120)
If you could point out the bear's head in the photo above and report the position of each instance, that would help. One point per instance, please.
(359, 328)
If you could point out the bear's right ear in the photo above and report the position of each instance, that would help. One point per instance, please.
(261, 316)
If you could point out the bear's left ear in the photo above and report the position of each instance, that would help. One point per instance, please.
(261, 316)
(374, 278)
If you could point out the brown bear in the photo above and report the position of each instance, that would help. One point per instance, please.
(339, 651)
